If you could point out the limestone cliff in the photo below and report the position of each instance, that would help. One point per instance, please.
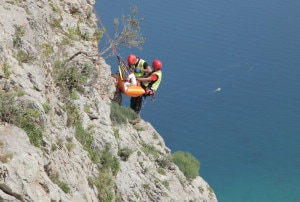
(57, 140)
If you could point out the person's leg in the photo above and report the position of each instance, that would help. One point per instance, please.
(136, 105)
(118, 96)
(126, 85)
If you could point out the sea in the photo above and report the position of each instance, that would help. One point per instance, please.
(230, 93)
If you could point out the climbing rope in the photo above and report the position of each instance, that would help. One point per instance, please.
(106, 33)
(123, 69)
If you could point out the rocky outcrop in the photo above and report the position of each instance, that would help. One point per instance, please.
(57, 140)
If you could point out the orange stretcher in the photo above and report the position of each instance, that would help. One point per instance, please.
(132, 91)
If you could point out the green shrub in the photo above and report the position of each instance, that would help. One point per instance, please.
(56, 22)
(166, 184)
(62, 185)
(20, 30)
(6, 71)
(65, 77)
(70, 78)
(107, 160)
(19, 91)
(76, 34)
(60, 143)
(46, 108)
(23, 57)
(119, 114)
(161, 171)
(26, 121)
(124, 153)
(8, 107)
(25, 118)
(86, 139)
(98, 34)
(47, 49)
(187, 163)
(70, 146)
(74, 95)
(146, 186)
(105, 186)
(116, 133)
(72, 114)
(53, 147)
(19, 33)
(71, 33)
(164, 162)
(149, 149)
(55, 8)
(65, 41)
(87, 108)
(105, 182)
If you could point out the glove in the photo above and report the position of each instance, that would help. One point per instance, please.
(137, 70)
(148, 91)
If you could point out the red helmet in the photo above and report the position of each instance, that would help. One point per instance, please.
(157, 64)
(131, 59)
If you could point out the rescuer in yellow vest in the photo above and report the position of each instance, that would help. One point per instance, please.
(150, 83)
(140, 66)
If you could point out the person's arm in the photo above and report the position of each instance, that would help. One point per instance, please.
(147, 68)
(133, 79)
(149, 78)
(144, 79)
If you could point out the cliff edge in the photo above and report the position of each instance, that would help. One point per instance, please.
(57, 140)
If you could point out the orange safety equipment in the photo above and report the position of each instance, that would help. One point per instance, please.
(157, 64)
(131, 59)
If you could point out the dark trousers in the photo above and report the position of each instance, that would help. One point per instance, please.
(136, 103)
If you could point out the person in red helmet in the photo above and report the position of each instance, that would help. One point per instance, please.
(150, 84)
(140, 66)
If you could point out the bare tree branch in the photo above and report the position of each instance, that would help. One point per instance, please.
(130, 36)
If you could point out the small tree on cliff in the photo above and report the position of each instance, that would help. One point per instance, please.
(130, 35)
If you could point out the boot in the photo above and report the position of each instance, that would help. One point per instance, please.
(135, 121)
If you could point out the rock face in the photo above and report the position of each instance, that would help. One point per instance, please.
(57, 140)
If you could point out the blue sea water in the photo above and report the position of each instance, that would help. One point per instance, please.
(247, 135)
